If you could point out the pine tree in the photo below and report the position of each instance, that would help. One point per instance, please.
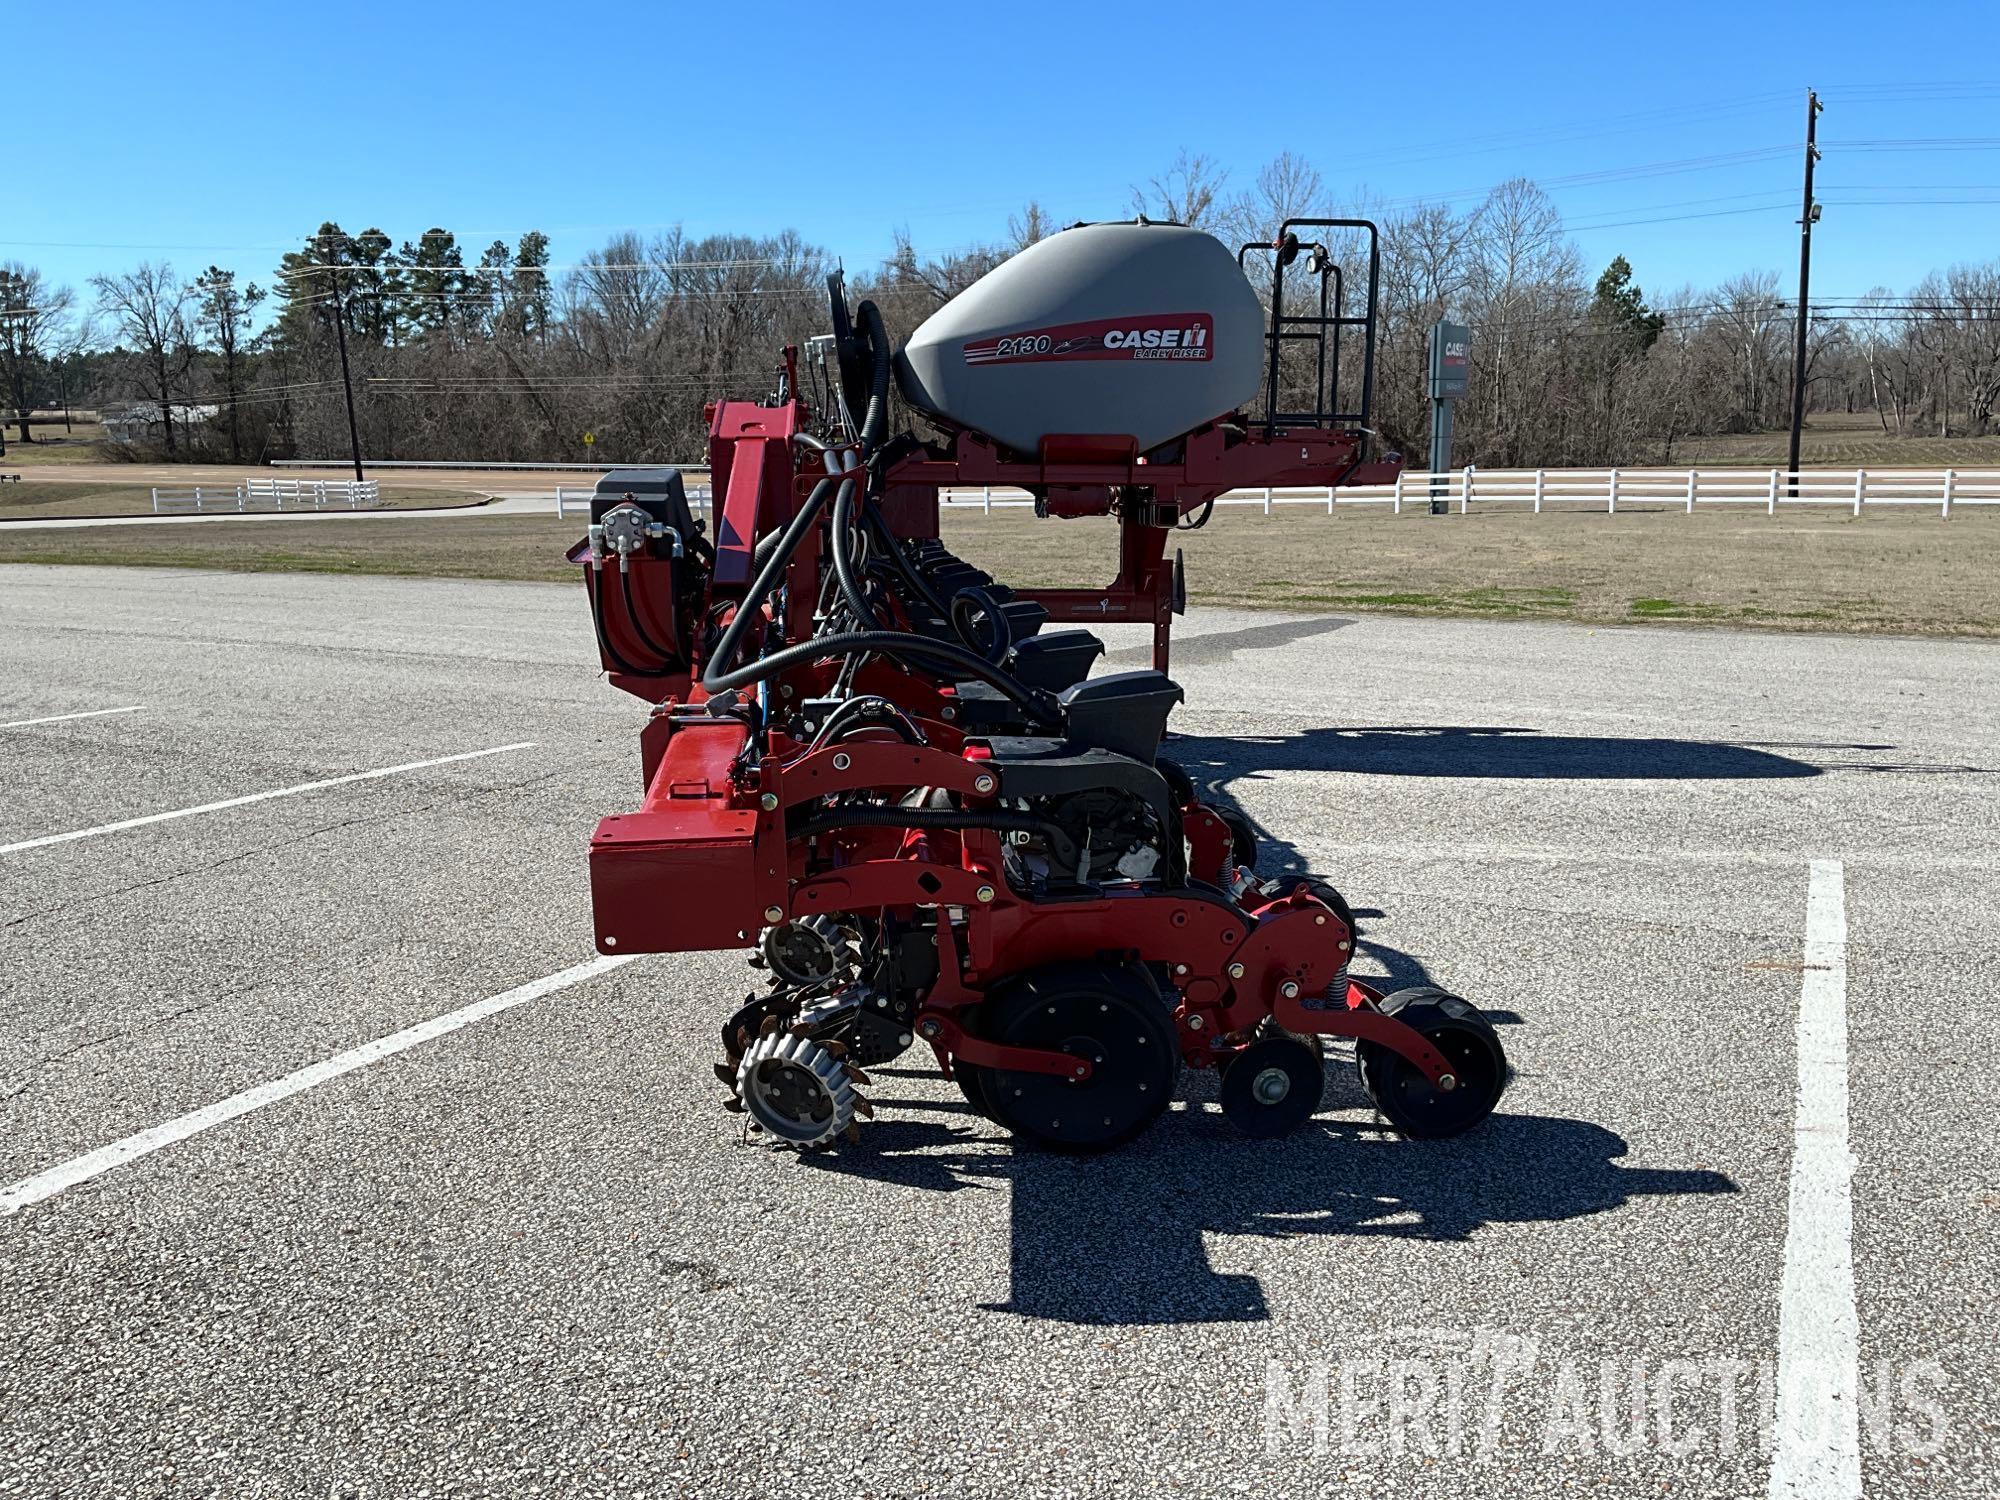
(437, 278)
(1620, 305)
(531, 284)
(224, 311)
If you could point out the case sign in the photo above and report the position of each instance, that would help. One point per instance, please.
(1451, 361)
(1173, 336)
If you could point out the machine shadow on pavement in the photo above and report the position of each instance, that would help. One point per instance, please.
(1501, 751)
(1118, 1238)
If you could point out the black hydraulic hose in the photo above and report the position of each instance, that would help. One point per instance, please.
(867, 712)
(594, 588)
(875, 422)
(946, 818)
(667, 658)
(712, 676)
(901, 562)
(973, 600)
(843, 557)
(1040, 706)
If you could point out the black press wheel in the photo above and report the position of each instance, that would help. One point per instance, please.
(1324, 889)
(1273, 1085)
(1110, 1013)
(973, 1080)
(1405, 1097)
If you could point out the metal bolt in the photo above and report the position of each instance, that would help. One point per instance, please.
(982, 784)
(1289, 989)
(774, 914)
(1343, 945)
(1180, 968)
(769, 802)
(842, 761)
(1319, 921)
(903, 1040)
(1236, 971)
(984, 893)
(947, 714)
(1194, 1023)
(929, 1028)
(1271, 1085)
(784, 690)
(1448, 1082)
(1081, 1071)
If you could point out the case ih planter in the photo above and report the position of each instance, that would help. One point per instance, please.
(869, 762)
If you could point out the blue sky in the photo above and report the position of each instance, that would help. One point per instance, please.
(226, 132)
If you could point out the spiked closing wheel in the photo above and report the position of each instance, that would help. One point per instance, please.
(1111, 1013)
(798, 1090)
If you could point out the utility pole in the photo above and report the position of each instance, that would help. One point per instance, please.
(346, 379)
(1808, 215)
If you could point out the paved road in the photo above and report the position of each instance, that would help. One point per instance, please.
(531, 1254)
(504, 503)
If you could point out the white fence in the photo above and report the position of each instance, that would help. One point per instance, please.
(1607, 490)
(573, 498)
(270, 494)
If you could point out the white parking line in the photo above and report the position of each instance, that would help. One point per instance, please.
(94, 713)
(283, 791)
(1817, 1454)
(19, 1195)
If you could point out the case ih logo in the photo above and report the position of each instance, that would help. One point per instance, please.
(1148, 336)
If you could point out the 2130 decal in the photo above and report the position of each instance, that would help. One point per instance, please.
(1173, 336)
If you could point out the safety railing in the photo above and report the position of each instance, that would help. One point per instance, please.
(1609, 490)
(576, 499)
(269, 494)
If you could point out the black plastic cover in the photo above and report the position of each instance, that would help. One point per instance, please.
(660, 493)
(1055, 659)
(1124, 712)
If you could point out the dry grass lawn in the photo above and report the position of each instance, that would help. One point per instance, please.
(1887, 571)
(1884, 571)
(1834, 440)
(53, 446)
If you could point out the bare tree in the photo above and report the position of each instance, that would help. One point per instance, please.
(33, 319)
(1289, 187)
(1030, 226)
(149, 309)
(1186, 193)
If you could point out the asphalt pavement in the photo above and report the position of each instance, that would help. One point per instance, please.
(531, 1254)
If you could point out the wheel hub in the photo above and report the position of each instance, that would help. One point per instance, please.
(1271, 1085)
